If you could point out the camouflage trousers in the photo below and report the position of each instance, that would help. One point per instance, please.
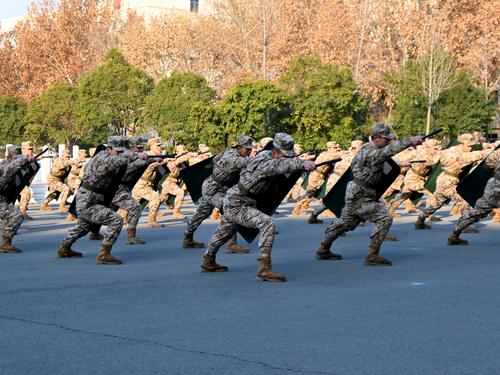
(296, 190)
(143, 191)
(446, 190)
(360, 207)
(89, 214)
(484, 205)
(12, 219)
(318, 210)
(246, 216)
(54, 187)
(123, 199)
(25, 199)
(171, 187)
(206, 204)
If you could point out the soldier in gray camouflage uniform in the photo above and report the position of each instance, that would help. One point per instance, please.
(10, 215)
(484, 205)
(90, 206)
(226, 172)
(360, 198)
(240, 205)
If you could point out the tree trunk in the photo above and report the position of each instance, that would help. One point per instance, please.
(428, 123)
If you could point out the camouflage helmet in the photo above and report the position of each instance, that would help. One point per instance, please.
(382, 130)
(118, 143)
(466, 139)
(244, 141)
(284, 142)
(137, 141)
(264, 141)
(26, 145)
(356, 144)
(203, 148)
(13, 151)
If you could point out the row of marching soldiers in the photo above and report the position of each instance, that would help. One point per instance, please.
(238, 179)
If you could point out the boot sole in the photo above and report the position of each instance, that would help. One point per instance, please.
(377, 264)
(205, 270)
(110, 263)
(270, 280)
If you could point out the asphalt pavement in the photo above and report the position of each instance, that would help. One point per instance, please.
(436, 311)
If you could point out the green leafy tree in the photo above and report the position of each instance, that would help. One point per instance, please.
(111, 97)
(177, 107)
(12, 123)
(256, 108)
(326, 103)
(52, 117)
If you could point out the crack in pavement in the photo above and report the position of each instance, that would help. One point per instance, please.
(166, 346)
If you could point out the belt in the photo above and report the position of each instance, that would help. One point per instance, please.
(92, 188)
(364, 184)
(450, 174)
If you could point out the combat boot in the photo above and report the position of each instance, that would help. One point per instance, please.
(374, 259)
(470, 229)
(63, 208)
(95, 236)
(65, 251)
(152, 221)
(266, 272)
(215, 214)
(177, 213)
(420, 223)
(70, 217)
(324, 253)
(104, 256)
(234, 248)
(190, 243)
(132, 238)
(313, 219)
(297, 210)
(45, 206)
(410, 209)
(7, 246)
(209, 264)
(455, 239)
(390, 237)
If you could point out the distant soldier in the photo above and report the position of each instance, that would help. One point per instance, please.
(484, 205)
(24, 200)
(171, 185)
(401, 159)
(361, 201)
(74, 177)
(60, 169)
(240, 205)
(11, 216)
(260, 145)
(226, 172)
(99, 176)
(202, 154)
(453, 160)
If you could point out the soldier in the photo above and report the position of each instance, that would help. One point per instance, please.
(484, 205)
(27, 150)
(227, 167)
(74, 178)
(58, 172)
(401, 159)
(98, 177)
(11, 216)
(338, 170)
(144, 188)
(240, 205)
(317, 177)
(171, 185)
(453, 160)
(296, 190)
(361, 201)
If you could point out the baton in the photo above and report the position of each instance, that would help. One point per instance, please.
(167, 156)
(418, 161)
(432, 134)
(333, 161)
(41, 153)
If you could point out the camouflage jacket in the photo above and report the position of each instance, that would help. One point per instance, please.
(60, 168)
(226, 173)
(454, 160)
(8, 171)
(493, 162)
(257, 175)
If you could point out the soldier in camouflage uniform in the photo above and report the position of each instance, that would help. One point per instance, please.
(24, 200)
(484, 205)
(338, 170)
(296, 190)
(74, 178)
(11, 216)
(361, 201)
(402, 160)
(453, 160)
(59, 169)
(203, 154)
(317, 177)
(90, 206)
(240, 205)
(226, 172)
(144, 188)
(171, 184)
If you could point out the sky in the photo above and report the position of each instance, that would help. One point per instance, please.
(14, 8)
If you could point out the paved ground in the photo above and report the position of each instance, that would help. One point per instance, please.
(436, 311)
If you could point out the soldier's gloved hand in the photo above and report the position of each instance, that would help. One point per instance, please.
(142, 156)
(30, 158)
(416, 140)
(309, 165)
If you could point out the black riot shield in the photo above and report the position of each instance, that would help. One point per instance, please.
(471, 186)
(23, 178)
(269, 200)
(195, 175)
(334, 200)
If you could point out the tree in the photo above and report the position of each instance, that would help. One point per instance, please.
(52, 117)
(13, 110)
(111, 97)
(325, 102)
(169, 108)
(256, 108)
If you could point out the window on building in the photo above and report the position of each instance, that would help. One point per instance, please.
(193, 5)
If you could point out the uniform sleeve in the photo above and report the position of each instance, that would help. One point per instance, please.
(380, 155)
(493, 159)
(10, 169)
(281, 166)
